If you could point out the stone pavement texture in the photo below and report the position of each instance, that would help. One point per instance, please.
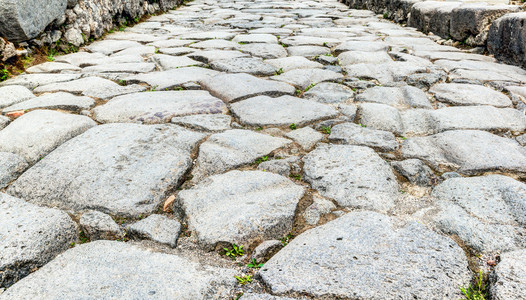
(353, 157)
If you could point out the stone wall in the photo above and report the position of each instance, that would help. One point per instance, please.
(27, 24)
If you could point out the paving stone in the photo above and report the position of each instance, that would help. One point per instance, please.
(32, 81)
(240, 207)
(285, 64)
(328, 92)
(302, 40)
(303, 78)
(172, 78)
(353, 176)
(208, 122)
(157, 228)
(168, 62)
(35, 134)
(91, 86)
(353, 134)
(386, 72)
(89, 174)
(306, 137)
(215, 44)
(208, 35)
(468, 152)
(30, 237)
(208, 56)
(317, 209)
(108, 47)
(13, 94)
(469, 94)
(277, 166)
(79, 58)
(307, 51)
(172, 43)
(415, 171)
(380, 117)
(233, 148)
(400, 97)
(89, 268)
(252, 66)
(52, 67)
(264, 50)
(100, 226)
(252, 296)
(120, 68)
(486, 213)
(357, 57)
(364, 250)
(255, 38)
(177, 51)
(234, 87)
(114, 60)
(265, 250)
(507, 281)
(361, 46)
(11, 165)
(281, 111)
(157, 107)
(60, 100)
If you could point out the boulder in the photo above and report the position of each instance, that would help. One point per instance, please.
(507, 39)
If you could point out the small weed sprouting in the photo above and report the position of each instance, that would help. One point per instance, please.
(293, 126)
(325, 44)
(298, 92)
(242, 280)
(280, 71)
(4, 74)
(363, 125)
(476, 291)
(237, 296)
(309, 87)
(295, 176)
(326, 130)
(234, 252)
(260, 160)
(286, 239)
(259, 129)
(254, 265)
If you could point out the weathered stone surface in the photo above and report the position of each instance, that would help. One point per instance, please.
(467, 152)
(469, 94)
(131, 68)
(101, 168)
(306, 137)
(24, 20)
(353, 134)
(353, 176)
(32, 81)
(157, 228)
(364, 251)
(506, 38)
(432, 16)
(30, 236)
(317, 209)
(39, 132)
(208, 56)
(168, 62)
(264, 50)
(369, 46)
(130, 271)
(52, 67)
(277, 166)
(251, 296)
(215, 44)
(13, 94)
(508, 279)
(100, 226)
(328, 92)
(401, 97)
(282, 111)
(233, 148)
(380, 117)
(285, 64)
(415, 171)
(486, 213)
(240, 207)
(80, 59)
(158, 107)
(308, 51)
(266, 250)
(11, 165)
(357, 57)
(91, 86)
(303, 78)
(234, 87)
(107, 47)
(209, 122)
(252, 66)
(60, 100)
(173, 78)
(255, 38)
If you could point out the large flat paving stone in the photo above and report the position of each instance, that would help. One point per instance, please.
(11, 165)
(487, 213)
(293, 62)
(13, 94)
(30, 236)
(91, 86)
(169, 62)
(264, 50)
(234, 87)
(172, 78)
(354, 134)
(367, 255)
(32, 81)
(303, 78)
(60, 100)
(108, 270)
(508, 279)
(329, 92)
(254, 66)
(400, 97)
(39, 132)
(158, 107)
(281, 111)
(468, 152)
(240, 207)
(469, 94)
(354, 176)
(107, 47)
(232, 149)
(121, 169)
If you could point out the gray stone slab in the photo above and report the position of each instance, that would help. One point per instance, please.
(208, 56)
(285, 64)
(232, 149)
(255, 38)
(380, 117)
(168, 62)
(264, 50)
(80, 58)
(11, 165)
(172, 78)
(467, 152)
(353, 134)
(157, 107)
(132, 68)
(215, 44)
(91, 86)
(52, 67)
(415, 171)
(30, 237)
(13, 94)
(400, 97)
(281, 111)
(357, 57)
(307, 51)
(157, 228)
(108, 47)
(254, 66)
(100, 226)
(35, 134)
(301, 40)
(101, 168)
(370, 255)
(234, 87)
(353, 176)
(130, 271)
(508, 279)
(32, 81)
(469, 94)
(329, 92)
(367, 46)
(240, 207)
(303, 78)
(306, 137)
(60, 100)
(209, 122)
